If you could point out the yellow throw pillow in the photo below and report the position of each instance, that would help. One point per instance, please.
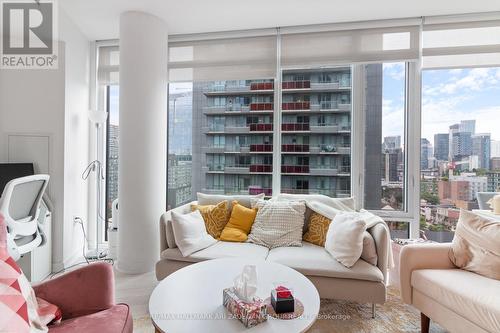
(318, 227)
(215, 217)
(240, 223)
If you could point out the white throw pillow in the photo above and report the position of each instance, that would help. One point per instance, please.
(278, 223)
(190, 232)
(344, 239)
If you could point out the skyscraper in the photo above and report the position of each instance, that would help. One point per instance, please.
(441, 146)
(495, 148)
(392, 142)
(425, 153)
(468, 126)
(460, 144)
(481, 147)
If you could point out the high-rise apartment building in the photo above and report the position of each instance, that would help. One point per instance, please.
(233, 123)
(481, 147)
(112, 166)
(441, 146)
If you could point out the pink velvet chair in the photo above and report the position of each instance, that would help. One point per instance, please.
(86, 298)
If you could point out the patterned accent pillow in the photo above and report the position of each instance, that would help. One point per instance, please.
(278, 223)
(215, 217)
(318, 227)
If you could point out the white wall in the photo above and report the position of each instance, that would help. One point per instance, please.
(55, 103)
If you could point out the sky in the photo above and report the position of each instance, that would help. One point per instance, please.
(448, 96)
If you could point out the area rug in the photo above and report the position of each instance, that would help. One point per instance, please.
(349, 317)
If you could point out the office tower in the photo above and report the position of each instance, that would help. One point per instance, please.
(425, 153)
(374, 159)
(481, 147)
(495, 148)
(468, 126)
(495, 163)
(460, 143)
(391, 166)
(391, 142)
(179, 180)
(441, 146)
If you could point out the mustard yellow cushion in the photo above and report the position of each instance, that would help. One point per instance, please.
(215, 217)
(240, 223)
(318, 227)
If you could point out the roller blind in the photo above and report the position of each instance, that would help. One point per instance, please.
(108, 65)
(351, 46)
(222, 59)
(461, 44)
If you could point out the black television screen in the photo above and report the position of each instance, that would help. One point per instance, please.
(9, 171)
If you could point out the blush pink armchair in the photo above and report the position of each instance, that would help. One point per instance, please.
(87, 300)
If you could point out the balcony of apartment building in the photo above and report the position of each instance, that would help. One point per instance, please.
(255, 189)
(331, 107)
(330, 128)
(221, 149)
(295, 127)
(296, 85)
(261, 147)
(230, 109)
(328, 170)
(213, 168)
(262, 86)
(295, 169)
(263, 127)
(295, 106)
(331, 192)
(261, 168)
(237, 169)
(295, 148)
(265, 107)
(333, 149)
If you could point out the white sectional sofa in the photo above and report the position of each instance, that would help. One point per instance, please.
(364, 282)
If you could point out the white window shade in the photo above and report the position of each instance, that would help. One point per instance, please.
(350, 46)
(108, 65)
(458, 45)
(222, 59)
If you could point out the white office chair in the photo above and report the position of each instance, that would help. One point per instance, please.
(20, 205)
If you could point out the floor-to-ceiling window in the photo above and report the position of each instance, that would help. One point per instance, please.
(112, 145)
(460, 147)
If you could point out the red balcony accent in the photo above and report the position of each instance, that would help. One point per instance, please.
(297, 84)
(258, 190)
(262, 86)
(294, 148)
(261, 148)
(261, 168)
(295, 127)
(261, 106)
(295, 169)
(296, 106)
(261, 127)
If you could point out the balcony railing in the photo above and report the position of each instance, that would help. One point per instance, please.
(295, 169)
(331, 192)
(294, 148)
(261, 148)
(261, 127)
(215, 167)
(261, 168)
(305, 84)
(292, 127)
(261, 106)
(296, 106)
(253, 190)
(262, 86)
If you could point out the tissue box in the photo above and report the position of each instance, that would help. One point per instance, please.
(250, 314)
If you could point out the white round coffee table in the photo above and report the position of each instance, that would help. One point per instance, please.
(190, 299)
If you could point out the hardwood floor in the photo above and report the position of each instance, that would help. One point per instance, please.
(135, 291)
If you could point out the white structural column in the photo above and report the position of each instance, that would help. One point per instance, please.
(143, 130)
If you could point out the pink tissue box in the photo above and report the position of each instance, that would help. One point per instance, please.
(250, 314)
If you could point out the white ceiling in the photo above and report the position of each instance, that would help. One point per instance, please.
(99, 19)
